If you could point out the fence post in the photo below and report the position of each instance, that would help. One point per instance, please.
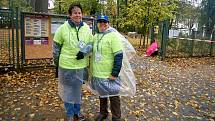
(22, 39)
(17, 37)
(165, 33)
(12, 26)
(212, 43)
(191, 42)
(152, 34)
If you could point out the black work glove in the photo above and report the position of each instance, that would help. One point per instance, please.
(80, 55)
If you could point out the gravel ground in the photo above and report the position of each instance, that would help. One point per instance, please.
(175, 90)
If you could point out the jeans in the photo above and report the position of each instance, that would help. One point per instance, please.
(72, 109)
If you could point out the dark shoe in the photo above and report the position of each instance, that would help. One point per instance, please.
(69, 118)
(117, 119)
(79, 117)
(101, 117)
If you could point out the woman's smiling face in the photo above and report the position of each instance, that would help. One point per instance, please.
(102, 25)
(76, 15)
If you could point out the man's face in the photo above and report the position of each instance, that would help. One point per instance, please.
(102, 26)
(76, 15)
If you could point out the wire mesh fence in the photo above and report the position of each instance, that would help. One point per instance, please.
(185, 42)
(8, 38)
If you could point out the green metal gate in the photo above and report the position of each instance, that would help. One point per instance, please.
(14, 42)
(175, 44)
(9, 38)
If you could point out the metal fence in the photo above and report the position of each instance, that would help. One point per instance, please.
(9, 38)
(26, 38)
(179, 42)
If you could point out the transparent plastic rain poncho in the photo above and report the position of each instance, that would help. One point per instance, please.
(71, 72)
(69, 85)
(71, 80)
(125, 84)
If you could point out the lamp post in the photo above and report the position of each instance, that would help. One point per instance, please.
(212, 41)
(10, 4)
(213, 34)
(203, 31)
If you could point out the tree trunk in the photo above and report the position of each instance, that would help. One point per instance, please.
(39, 5)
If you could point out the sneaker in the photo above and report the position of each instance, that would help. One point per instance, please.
(69, 118)
(79, 117)
(101, 117)
(117, 119)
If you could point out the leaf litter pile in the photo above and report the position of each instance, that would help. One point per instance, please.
(173, 89)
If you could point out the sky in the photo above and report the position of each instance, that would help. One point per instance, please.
(51, 4)
(195, 2)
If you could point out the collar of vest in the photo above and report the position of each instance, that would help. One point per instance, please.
(72, 24)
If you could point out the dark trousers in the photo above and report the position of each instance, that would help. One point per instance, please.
(114, 106)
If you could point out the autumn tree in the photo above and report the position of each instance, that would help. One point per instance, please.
(23, 5)
(207, 18)
(90, 7)
(110, 9)
(144, 13)
(187, 14)
(4, 3)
